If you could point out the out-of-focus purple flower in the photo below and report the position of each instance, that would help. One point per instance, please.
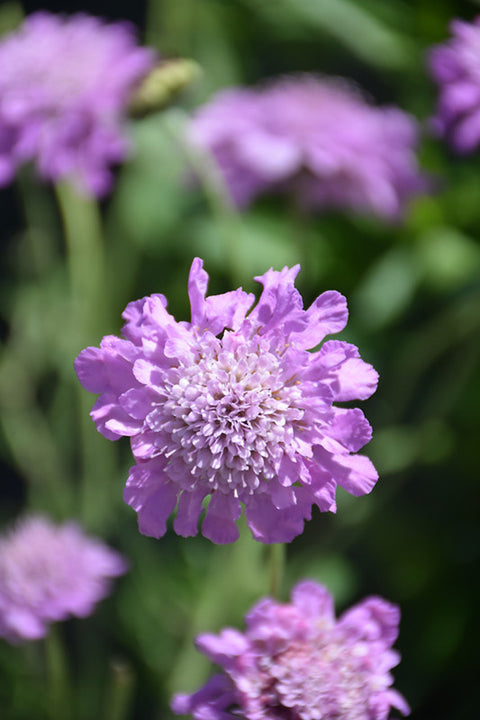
(51, 572)
(315, 138)
(232, 406)
(297, 662)
(64, 86)
(455, 66)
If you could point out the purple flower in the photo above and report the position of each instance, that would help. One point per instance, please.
(64, 86)
(232, 406)
(50, 573)
(315, 138)
(455, 66)
(297, 662)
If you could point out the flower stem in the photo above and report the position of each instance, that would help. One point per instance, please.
(59, 697)
(88, 314)
(83, 237)
(120, 692)
(277, 567)
(216, 194)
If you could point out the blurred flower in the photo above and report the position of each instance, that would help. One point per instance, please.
(455, 66)
(49, 573)
(296, 662)
(64, 86)
(244, 417)
(316, 138)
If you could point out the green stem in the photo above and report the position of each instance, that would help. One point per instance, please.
(59, 697)
(120, 692)
(88, 316)
(277, 567)
(83, 237)
(216, 194)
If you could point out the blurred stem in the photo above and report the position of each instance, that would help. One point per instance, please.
(120, 692)
(84, 242)
(83, 236)
(277, 567)
(210, 179)
(302, 230)
(39, 213)
(59, 696)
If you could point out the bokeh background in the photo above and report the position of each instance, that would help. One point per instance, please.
(414, 298)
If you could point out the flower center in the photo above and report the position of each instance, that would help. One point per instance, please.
(231, 411)
(323, 680)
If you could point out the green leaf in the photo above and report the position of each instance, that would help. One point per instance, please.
(388, 288)
(358, 29)
(447, 257)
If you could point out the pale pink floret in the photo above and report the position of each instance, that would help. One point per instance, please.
(65, 84)
(51, 572)
(297, 662)
(233, 407)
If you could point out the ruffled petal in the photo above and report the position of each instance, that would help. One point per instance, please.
(327, 315)
(188, 512)
(211, 702)
(355, 473)
(351, 428)
(197, 289)
(314, 601)
(152, 496)
(111, 420)
(137, 402)
(219, 525)
(220, 649)
(280, 305)
(227, 310)
(148, 373)
(374, 619)
(270, 525)
(107, 368)
(350, 377)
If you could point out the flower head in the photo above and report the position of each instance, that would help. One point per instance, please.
(51, 572)
(232, 406)
(314, 137)
(64, 86)
(455, 66)
(297, 662)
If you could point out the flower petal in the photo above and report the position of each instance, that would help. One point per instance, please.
(188, 512)
(314, 601)
(327, 315)
(219, 525)
(152, 496)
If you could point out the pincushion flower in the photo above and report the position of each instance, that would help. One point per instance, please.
(297, 662)
(51, 572)
(65, 83)
(317, 139)
(233, 407)
(455, 66)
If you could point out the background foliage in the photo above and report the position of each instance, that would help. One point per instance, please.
(413, 290)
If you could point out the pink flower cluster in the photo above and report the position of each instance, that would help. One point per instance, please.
(297, 662)
(65, 83)
(317, 139)
(455, 66)
(232, 406)
(48, 573)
